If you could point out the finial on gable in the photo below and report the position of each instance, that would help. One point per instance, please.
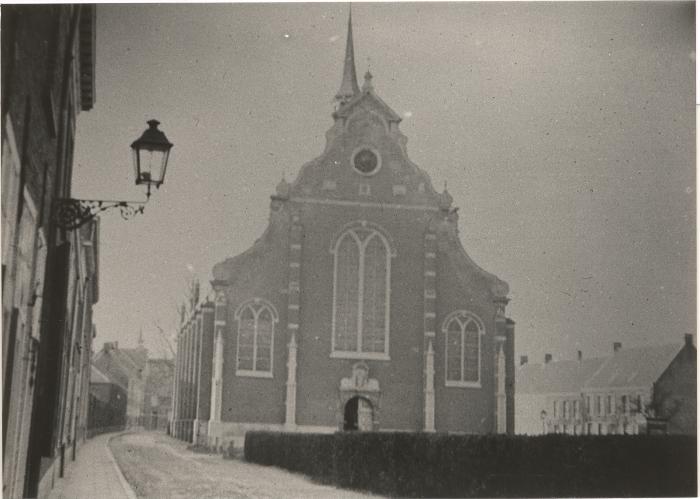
(283, 188)
(367, 85)
(445, 199)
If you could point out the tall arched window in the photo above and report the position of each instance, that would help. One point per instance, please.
(361, 293)
(256, 327)
(463, 332)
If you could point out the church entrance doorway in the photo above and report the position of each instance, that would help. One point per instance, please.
(358, 414)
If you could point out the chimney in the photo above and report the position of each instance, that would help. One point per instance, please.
(617, 346)
(547, 358)
(580, 355)
(689, 340)
(523, 360)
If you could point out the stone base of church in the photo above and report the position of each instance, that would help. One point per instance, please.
(200, 428)
(182, 429)
(222, 434)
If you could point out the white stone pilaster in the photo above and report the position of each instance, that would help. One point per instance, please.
(291, 399)
(429, 406)
(220, 313)
(500, 385)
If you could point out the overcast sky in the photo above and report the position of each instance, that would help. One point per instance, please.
(565, 132)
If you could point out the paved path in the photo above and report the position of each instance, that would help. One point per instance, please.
(93, 475)
(160, 466)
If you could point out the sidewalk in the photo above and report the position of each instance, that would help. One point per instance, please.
(94, 474)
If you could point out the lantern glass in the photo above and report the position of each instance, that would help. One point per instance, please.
(151, 164)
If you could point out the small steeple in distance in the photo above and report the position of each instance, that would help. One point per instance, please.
(348, 86)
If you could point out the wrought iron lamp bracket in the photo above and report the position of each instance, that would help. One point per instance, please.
(73, 213)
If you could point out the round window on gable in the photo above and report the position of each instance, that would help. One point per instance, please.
(366, 161)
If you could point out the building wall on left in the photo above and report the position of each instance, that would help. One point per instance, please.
(49, 276)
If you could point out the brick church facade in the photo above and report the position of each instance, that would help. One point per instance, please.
(358, 308)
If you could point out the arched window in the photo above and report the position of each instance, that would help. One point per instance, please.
(463, 332)
(256, 328)
(361, 292)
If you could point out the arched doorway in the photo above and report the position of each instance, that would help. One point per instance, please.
(358, 414)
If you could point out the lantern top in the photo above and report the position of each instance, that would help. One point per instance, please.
(152, 138)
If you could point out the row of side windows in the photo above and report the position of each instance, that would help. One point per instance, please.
(362, 256)
(255, 344)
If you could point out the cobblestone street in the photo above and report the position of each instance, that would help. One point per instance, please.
(156, 465)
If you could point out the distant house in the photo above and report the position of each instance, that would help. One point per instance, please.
(129, 367)
(158, 394)
(618, 394)
(107, 406)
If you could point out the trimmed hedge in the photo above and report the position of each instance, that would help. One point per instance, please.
(441, 465)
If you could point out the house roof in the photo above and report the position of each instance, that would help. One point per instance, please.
(121, 364)
(634, 367)
(97, 376)
(564, 376)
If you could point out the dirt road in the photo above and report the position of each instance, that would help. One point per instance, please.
(156, 465)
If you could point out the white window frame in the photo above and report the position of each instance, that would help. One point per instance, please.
(379, 232)
(464, 316)
(257, 305)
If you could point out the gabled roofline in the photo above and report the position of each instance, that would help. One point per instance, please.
(345, 111)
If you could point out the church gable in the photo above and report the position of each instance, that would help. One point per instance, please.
(368, 98)
(365, 160)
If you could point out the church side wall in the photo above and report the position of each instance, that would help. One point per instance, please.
(250, 399)
(463, 409)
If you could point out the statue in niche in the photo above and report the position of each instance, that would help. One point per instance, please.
(359, 374)
(359, 380)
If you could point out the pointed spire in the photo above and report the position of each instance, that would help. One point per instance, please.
(348, 86)
(140, 340)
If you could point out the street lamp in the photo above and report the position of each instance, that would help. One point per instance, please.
(543, 417)
(151, 152)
